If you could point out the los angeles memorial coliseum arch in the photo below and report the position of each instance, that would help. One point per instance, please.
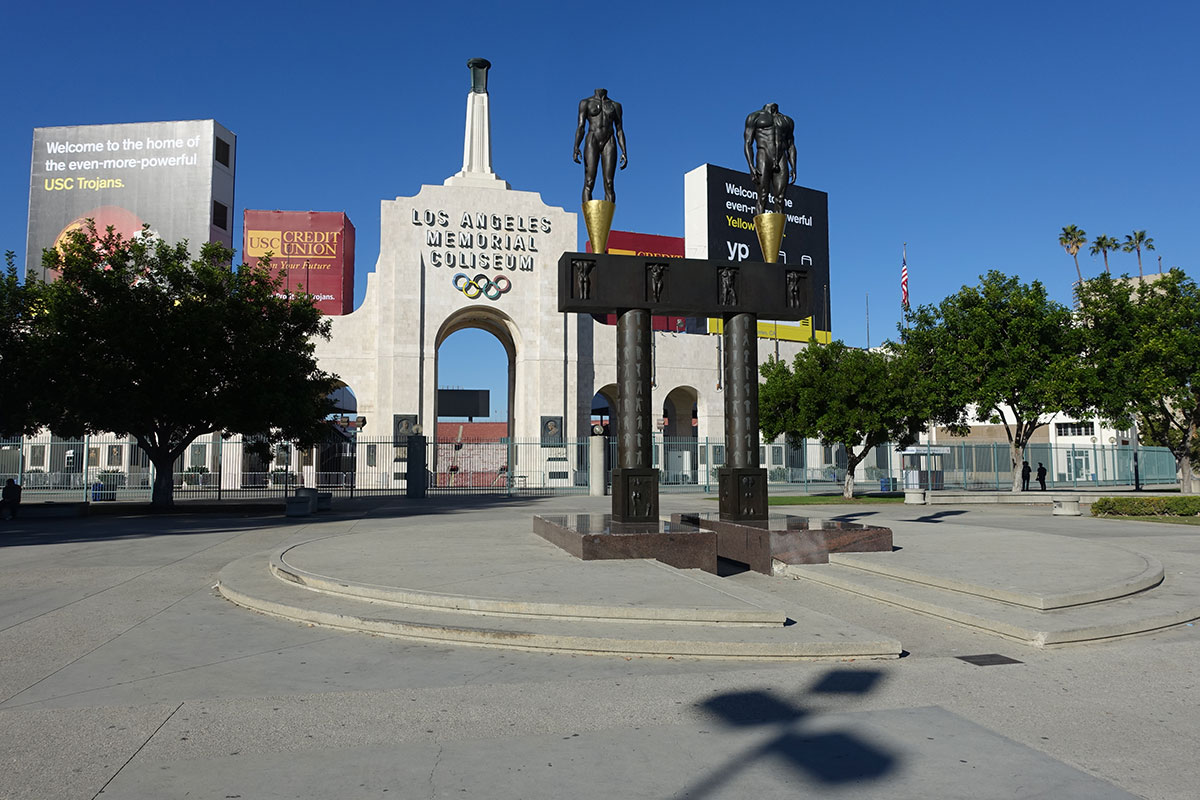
(475, 252)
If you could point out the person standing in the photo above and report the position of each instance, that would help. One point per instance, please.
(1025, 470)
(10, 498)
(1041, 475)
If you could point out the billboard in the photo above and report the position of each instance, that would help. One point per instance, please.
(316, 248)
(719, 207)
(175, 176)
(628, 243)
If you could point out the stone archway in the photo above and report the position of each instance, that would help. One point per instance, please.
(499, 325)
(680, 451)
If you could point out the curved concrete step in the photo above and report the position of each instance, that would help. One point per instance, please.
(1172, 602)
(750, 612)
(249, 583)
(1038, 571)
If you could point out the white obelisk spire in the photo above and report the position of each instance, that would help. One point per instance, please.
(477, 141)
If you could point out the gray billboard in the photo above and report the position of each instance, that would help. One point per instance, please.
(176, 176)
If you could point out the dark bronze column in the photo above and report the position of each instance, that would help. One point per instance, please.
(742, 483)
(635, 481)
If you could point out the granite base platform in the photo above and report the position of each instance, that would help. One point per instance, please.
(787, 538)
(598, 536)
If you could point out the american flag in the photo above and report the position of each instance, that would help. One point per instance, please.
(904, 278)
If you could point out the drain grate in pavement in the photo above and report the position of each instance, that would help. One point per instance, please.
(988, 660)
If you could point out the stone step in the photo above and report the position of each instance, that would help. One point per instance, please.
(1171, 602)
(1037, 583)
(752, 608)
(810, 635)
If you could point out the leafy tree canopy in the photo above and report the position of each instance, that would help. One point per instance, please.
(858, 398)
(143, 340)
(1143, 340)
(18, 302)
(1002, 351)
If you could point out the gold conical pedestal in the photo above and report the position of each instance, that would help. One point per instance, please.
(598, 216)
(769, 228)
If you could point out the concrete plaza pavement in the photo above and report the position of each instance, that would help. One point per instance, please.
(123, 674)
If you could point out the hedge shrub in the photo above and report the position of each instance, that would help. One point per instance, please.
(1183, 506)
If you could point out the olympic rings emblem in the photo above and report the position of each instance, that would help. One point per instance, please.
(481, 284)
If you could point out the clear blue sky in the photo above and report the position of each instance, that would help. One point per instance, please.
(972, 131)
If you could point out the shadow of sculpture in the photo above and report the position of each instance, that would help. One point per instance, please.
(829, 757)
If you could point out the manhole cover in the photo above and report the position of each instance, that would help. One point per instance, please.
(988, 660)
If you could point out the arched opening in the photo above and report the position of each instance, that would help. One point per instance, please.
(476, 352)
(604, 413)
(680, 452)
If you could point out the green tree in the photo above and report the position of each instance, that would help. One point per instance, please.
(1143, 340)
(1103, 244)
(1002, 352)
(1071, 239)
(857, 398)
(1137, 242)
(145, 341)
(20, 380)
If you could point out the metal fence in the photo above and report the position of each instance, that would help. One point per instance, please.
(97, 469)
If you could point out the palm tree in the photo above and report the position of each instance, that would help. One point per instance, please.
(1102, 244)
(1137, 242)
(1072, 239)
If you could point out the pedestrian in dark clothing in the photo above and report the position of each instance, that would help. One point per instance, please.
(10, 499)
(1041, 475)
(1025, 476)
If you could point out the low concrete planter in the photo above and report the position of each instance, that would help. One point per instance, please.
(300, 506)
(1066, 507)
(914, 497)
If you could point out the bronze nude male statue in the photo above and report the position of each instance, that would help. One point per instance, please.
(602, 116)
(773, 167)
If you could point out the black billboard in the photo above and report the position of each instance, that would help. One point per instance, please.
(469, 403)
(729, 203)
(175, 176)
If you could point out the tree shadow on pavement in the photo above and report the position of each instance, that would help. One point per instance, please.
(938, 516)
(137, 521)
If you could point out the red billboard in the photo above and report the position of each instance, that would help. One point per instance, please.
(315, 247)
(628, 243)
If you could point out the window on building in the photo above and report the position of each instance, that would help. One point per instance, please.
(220, 215)
(372, 455)
(93, 456)
(776, 455)
(114, 455)
(882, 456)
(37, 455)
(199, 452)
(221, 151)
(1075, 428)
(795, 457)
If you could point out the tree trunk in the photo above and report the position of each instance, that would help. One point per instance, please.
(1077, 270)
(1186, 484)
(163, 494)
(852, 462)
(1014, 454)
